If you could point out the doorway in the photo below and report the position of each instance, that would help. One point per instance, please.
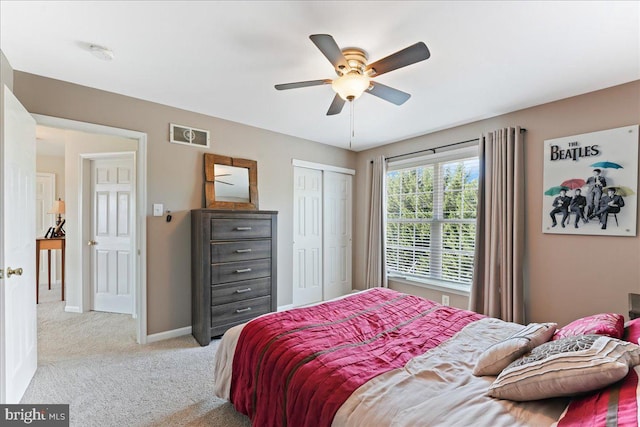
(45, 195)
(78, 225)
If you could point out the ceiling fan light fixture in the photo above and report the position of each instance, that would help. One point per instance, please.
(351, 85)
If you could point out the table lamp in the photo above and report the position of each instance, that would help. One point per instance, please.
(58, 209)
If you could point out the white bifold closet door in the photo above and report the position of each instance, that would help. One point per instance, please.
(322, 235)
(337, 234)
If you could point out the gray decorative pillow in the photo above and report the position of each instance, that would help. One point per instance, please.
(575, 343)
(566, 367)
(494, 359)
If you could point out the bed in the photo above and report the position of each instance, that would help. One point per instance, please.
(383, 358)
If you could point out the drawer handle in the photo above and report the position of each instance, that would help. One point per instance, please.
(243, 310)
(243, 228)
(242, 291)
(242, 251)
(243, 270)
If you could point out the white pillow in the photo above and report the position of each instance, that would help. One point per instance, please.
(566, 367)
(494, 359)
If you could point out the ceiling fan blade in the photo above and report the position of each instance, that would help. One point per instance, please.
(407, 56)
(303, 84)
(330, 49)
(336, 106)
(388, 93)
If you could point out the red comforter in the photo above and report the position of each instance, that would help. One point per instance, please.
(297, 367)
(616, 405)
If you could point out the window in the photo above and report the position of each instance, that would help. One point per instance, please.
(431, 218)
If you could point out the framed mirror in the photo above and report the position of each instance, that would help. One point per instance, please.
(230, 183)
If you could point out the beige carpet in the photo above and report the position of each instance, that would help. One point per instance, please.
(92, 362)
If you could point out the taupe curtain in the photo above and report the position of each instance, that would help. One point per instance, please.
(376, 274)
(498, 288)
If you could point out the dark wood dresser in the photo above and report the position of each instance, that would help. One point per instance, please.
(233, 269)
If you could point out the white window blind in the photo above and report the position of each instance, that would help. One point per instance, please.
(431, 217)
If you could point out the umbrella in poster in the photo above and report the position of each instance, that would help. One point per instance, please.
(607, 165)
(621, 190)
(555, 190)
(573, 183)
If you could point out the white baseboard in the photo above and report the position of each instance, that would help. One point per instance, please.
(72, 309)
(285, 307)
(168, 334)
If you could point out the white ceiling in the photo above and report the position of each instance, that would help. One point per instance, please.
(222, 58)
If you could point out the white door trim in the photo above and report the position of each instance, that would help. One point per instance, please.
(322, 167)
(140, 281)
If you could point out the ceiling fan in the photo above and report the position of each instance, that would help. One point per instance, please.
(355, 75)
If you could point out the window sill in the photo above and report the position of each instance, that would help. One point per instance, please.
(433, 284)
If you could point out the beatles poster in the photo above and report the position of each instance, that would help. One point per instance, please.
(591, 183)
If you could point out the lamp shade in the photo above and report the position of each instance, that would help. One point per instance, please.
(57, 208)
(350, 86)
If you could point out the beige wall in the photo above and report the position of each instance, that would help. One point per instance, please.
(54, 165)
(6, 72)
(566, 276)
(175, 177)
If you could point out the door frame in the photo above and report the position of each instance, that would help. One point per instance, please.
(140, 223)
(54, 263)
(297, 163)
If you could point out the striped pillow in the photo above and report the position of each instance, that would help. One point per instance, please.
(494, 359)
(566, 367)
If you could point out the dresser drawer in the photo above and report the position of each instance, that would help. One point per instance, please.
(237, 312)
(242, 270)
(240, 251)
(240, 291)
(238, 228)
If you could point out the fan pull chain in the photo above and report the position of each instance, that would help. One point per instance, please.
(352, 132)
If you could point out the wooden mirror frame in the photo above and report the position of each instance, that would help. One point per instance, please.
(210, 160)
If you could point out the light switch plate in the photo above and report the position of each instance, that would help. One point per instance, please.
(157, 209)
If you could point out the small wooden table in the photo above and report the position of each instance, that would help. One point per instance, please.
(48, 244)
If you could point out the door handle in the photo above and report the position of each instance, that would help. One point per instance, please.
(92, 243)
(11, 271)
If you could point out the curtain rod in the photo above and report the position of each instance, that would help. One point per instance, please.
(437, 148)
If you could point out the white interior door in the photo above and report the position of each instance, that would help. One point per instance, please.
(18, 317)
(112, 243)
(45, 195)
(337, 234)
(307, 236)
